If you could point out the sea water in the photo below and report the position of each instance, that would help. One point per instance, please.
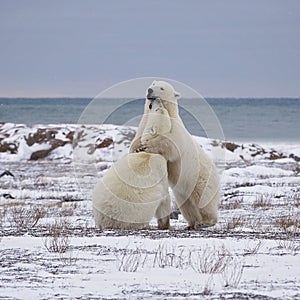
(241, 120)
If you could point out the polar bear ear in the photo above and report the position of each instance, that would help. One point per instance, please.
(177, 95)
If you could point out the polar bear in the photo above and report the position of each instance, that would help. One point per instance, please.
(135, 188)
(192, 174)
(131, 192)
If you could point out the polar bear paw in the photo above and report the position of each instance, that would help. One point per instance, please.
(197, 227)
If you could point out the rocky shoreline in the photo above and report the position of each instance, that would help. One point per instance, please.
(94, 142)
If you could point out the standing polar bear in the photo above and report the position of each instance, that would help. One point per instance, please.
(192, 174)
(135, 188)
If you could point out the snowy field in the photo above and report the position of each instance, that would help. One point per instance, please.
(50, 248)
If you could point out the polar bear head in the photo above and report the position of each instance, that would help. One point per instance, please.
(162, 90)
(166, 93)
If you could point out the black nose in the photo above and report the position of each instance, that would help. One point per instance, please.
(150, 91)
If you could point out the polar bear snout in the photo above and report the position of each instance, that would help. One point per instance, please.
(150, 94)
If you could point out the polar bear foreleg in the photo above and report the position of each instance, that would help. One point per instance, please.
(163, 145)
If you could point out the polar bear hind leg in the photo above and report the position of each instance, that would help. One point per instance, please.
(190, 212)
(209, 213)
(199, 218)
(163, 214)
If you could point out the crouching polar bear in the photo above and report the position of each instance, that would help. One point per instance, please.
(135, 189)
(192, 174)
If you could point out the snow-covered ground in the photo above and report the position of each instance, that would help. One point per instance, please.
(50, 248)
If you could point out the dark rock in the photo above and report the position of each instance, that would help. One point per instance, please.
(42, 135)
(230, 146)
(274, 155)
(105, 143)
(257, 150)
(44, 153)
(58, 143)
(295, 157)
(9, 147)
(214, 143)
(40, 154)
(70, 136)
(46, 136)
(8, 196)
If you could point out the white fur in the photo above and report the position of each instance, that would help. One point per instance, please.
(132, 191)
(158, 121)
(136, 187)
(192, 174)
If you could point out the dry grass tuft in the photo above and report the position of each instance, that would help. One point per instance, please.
(2, 219)
(234, 222)
(232, 273)
(210, 260)
(25, 218)
(290, 245)
(66, 212)
(231, 203)
(3, 213)
(296, 199)
(253, 250)
(263, 201)
(171, 256)
(58, 240)
(130, 260)
(288, 222)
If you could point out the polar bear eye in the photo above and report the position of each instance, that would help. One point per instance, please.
(162, 89)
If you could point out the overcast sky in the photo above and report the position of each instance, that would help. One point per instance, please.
(220, 48)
